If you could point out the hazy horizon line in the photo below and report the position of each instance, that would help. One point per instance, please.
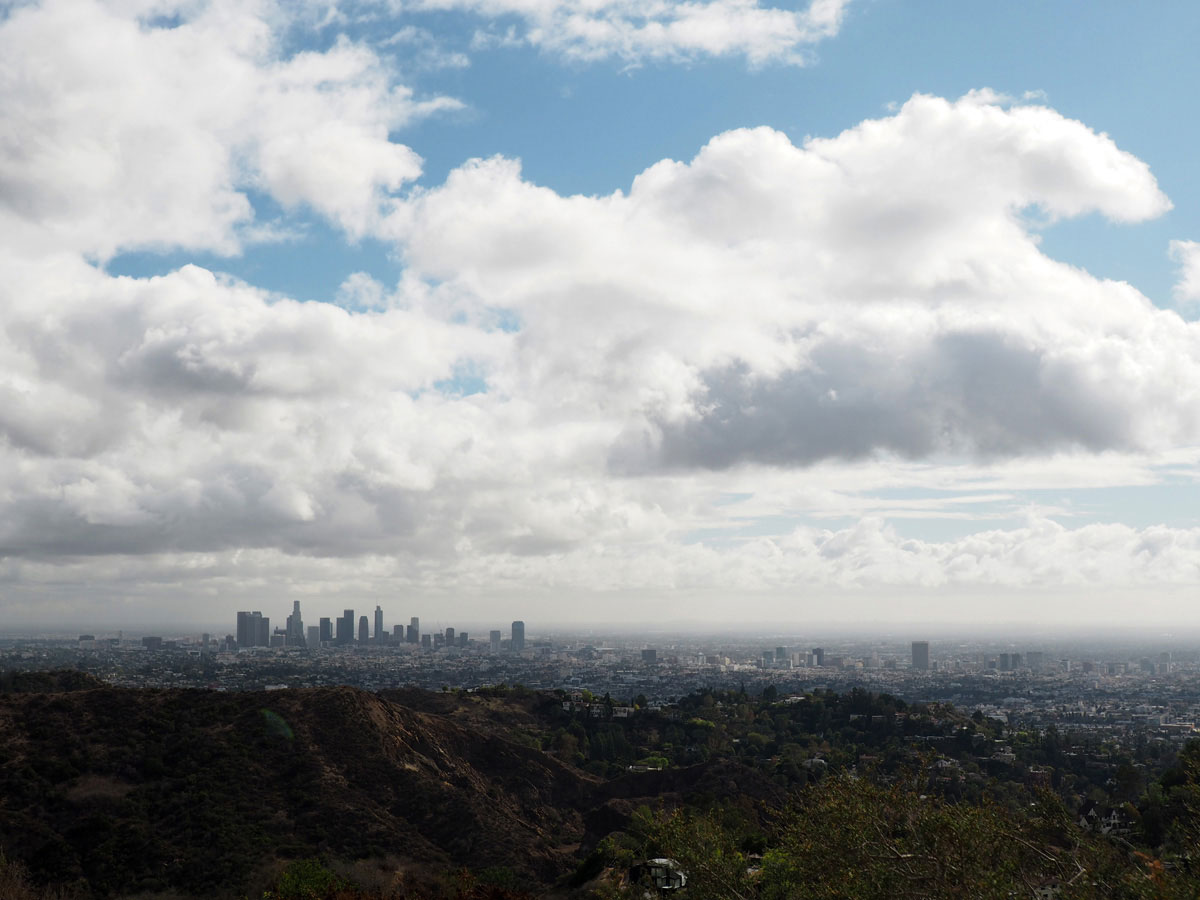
(830, 631)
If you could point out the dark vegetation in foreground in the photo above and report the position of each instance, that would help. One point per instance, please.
(505, 793)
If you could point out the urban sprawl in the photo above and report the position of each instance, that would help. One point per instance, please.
(1106, 691)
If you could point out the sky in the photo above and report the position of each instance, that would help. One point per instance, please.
(587, 311)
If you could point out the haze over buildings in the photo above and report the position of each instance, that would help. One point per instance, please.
(252, 631)
(708, 312)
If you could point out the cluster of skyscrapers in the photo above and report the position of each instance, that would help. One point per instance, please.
(254, 630)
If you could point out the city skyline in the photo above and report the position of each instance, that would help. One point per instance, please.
(253, 630)
(564, 658)
(728, 313)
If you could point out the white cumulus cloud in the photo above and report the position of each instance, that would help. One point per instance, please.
(875, 292)
(124, 129)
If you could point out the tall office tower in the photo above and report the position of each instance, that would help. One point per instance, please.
(295, 626)
(449, 637)
(364, 630)
(818, 656)
(920, 655)
(1016, 660)
(378, 624)
(518, 636)
(439, 639)
(494, 642)
(262, 628)
(326, 630)
(204, 639)
(1005, 662)
(1164, 662)
(650, 656)
(245, 630)
(782, 654)
(427, 642)
(397, 634)
(345, 627)
(414, 630)
(313, 638)
(462, 639)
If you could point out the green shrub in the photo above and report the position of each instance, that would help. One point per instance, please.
(498, 876)
(305, 879)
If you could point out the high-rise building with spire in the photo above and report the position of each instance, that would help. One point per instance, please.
(295, 627)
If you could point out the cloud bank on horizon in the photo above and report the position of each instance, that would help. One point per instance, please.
(562, 394)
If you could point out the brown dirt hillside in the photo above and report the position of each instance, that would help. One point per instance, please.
(142, 790)
(520, 716)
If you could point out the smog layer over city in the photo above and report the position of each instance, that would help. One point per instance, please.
(494, 449)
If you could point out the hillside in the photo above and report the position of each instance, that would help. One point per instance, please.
(202, 793)
(194, 790)
(157, 794)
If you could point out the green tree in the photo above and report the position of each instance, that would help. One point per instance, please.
(849, 838)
